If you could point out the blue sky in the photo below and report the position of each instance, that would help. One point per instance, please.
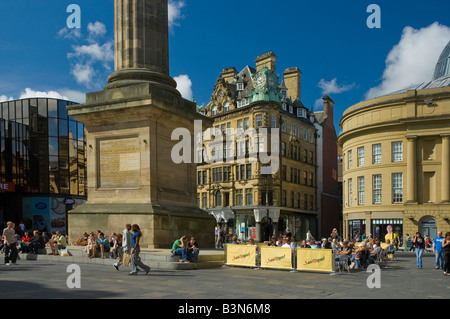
(328, 40)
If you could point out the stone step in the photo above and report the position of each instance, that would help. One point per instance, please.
(156, 259)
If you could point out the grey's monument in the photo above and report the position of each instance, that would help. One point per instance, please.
(130, 174)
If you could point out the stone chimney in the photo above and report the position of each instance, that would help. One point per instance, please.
(292, 77)
(228, 74)
(268, 60)
(328, 105)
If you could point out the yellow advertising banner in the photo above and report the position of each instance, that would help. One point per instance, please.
(314, 259)
(276, 257)
(241, 255)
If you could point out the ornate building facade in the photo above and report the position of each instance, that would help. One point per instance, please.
(396, 160)
(259, 164)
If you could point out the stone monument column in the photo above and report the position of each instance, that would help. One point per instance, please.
(141, 44)
(131, 175)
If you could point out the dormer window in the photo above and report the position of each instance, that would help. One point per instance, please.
(284, 106)
(284, 93)
(291, 109)
(240, 86)
(214, 110)
(301, 112)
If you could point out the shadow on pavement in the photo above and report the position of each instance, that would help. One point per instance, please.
(25, 290)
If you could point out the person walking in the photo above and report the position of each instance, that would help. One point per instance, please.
(446, 253)
(135, 259)
(437, 250)
(10, 241)
(419, 246)
(126, 245)
(217, 236)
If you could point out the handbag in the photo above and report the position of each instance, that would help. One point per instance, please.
(126, 259)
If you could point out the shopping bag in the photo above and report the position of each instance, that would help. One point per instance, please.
(126, 258)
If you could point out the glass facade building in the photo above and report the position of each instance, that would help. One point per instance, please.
(42, 156)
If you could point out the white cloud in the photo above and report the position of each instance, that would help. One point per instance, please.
(331, 87)
(73, 95)
(412, 60)
(4, 98)
(175, 12)
(69, 34)
(96, 29)
(29, 93)
(85, 57)
(184, 86)
(83, 74)
(63, 94)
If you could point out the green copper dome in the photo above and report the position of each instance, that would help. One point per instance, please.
(443, 65)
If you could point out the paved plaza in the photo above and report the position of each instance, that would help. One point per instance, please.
(400, 279)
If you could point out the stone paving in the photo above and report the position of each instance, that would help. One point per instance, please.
(400, 279)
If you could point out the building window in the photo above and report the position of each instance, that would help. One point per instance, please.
(350, 192)
(397, 188)
(361, 195)
(376, 187)
(311, 137)
(397, 151)
(205, 177)
(240, 86)
(274, 121)
(311, 202)
(239, 198)
(305, 134)
(301, 112)
(292, 199)
(283, 126)
(214, 110)
(242, 172)
(283, 148)
(291, 109)
(376, 153)
(204, 200)
(240, 149)
(226, 107)
(240, 126)
(284, 106)
(259, 120)
(349, 159)
(361, 156)
(218, 199)
(248, 197)
(246, 124)
(227, 174)
(283, 203)
(248, 169)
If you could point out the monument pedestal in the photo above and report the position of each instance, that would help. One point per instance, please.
(130, 172)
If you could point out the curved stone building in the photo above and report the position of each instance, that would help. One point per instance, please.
(396, 160)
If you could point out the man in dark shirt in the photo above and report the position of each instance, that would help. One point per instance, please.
(36, 242)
